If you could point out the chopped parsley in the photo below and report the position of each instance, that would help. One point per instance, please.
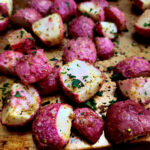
(111, 102)
(71, 76)
(115, 77)
(146, 24)
(68, 3)
(78, 65)
(110, 68)
(91, 9)
(117, 42)
(17, 94)
(3, 91)
(7, 47)
(5, 84)
(82, 113)
(21, 33)
(85, 77)
(100, 93)
(4, 15)
(85, 14)
(46, 103)
(53, 59)
(31, 39)
(91, 104)
(34, 52)
(63, 72)
(145, 93)
(77, 83)
(69, 47)
(103, 117)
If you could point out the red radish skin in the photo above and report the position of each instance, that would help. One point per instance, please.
(21, 40)
(126, 120)
(20, 106)
(82, 27)
(141, 4)
(50, 84)
(45, 128)
(142, 26)
(115, 15)
(88, 124)
(33, 67)
(133, 67)
(105, 48)
(82, 48)
(66, 8)
(25, 17)
(8, 61)
(42, 6)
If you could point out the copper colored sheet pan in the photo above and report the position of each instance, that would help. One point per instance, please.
(128, 44)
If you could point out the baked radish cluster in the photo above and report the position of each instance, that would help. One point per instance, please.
(90, 27)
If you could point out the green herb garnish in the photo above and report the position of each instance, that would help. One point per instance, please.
(5, 84)
(21, 33)
(68, 3)
(63, 72)
(91, 104)
(7, 47)
(85, 77)
(110, 68)
(53, 59)
(45, 103)
(82, 113)
(71, 76)
(100, 93)
(34, 52)
(17, 94)
(77, 83)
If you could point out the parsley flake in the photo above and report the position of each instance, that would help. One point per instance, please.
(100, 93)
(17, 94)
(110, 68)
(21, 33)
(82, 113)
(71, 76)
(34, 52)
(77, 83)
(53, 59)
(68, 3)
(46, 103)
(91, 104)
(85, 77)
(63, 72)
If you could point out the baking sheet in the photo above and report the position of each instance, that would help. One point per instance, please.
(128, 44)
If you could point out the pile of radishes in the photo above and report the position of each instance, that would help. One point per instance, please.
(94, 24)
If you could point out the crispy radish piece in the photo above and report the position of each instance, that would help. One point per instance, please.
(6, 7)
(142, 26)
(33, 67)
(88, 124)
(92, 9)
(49, 29)
(8, 61)
(25, 17)
(66, 8)
(126, 120)
(4, 21)
(21, 105)
(42, 6)
(81, 48)
(50, 84)
(82, 27)
(133, 67)
(107, 29)
(51, 128)
(136, 89)
(102, 3)
(21, 40)
(105, 48)
(141, 4)
(80, 80)
(115, 15)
